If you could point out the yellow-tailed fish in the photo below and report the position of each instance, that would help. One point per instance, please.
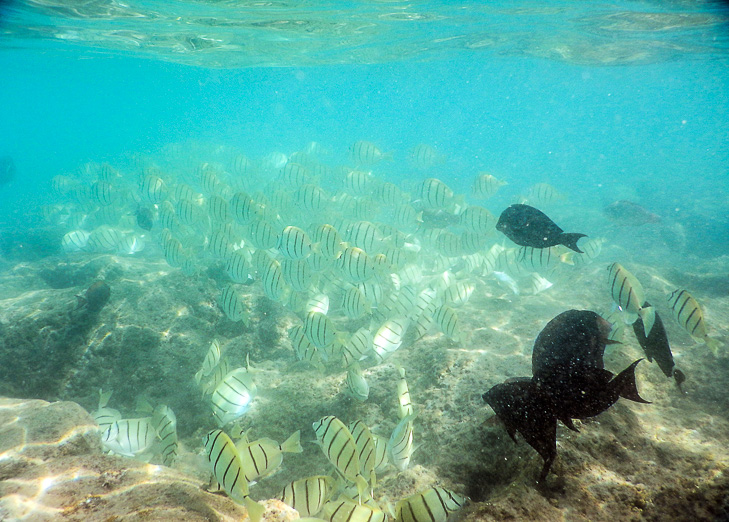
(347, 510)
(263, 457)
(688, 313)
(226, 467)
(329, 241)
(357, 386)
(431, 505)
(308, 495)
(400, 445)
(233, 396)
(485, 185)
(339, 447)
(212, 358)
(628, 294)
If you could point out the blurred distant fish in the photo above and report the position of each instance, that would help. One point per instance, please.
(545, 194)
(425, 156)
(627, 213)
(485, 185)
(145, 218)
(7, 169)
(366, 153)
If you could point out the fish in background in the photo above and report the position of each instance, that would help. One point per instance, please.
(528, 226)
(656, 346)
(627, 213)
(424, 156)
(569, 382)
(7, 170)
(485, 185)
(545, 194)
(366, 153)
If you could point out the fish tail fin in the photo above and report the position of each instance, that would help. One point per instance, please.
(570, 240)
(648, 315)
(568, 258)
(255, 510)
(293, 443)
(713, 345)
(625, 384)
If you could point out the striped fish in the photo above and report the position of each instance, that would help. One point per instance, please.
(354, 303)
(317, 303)
(431, 505)
(219, 209)
(220, 371)
(357, 346)
(366, 153)
(381, 459)
(458, 294)
(165, 424)
(297, 274)
(310, 198)
(131, 438)
(447, 320)
(628, 294)
(273, 280)
(400, 445)
(219, 244)
(356, 265)
(390, 194)
(104, 239)
(404, 406)
(188, 212)
(319, 329)
(233, 305)
(308, 495)
(347, 510)
(364, 235)
(477, 219)
(303, 349)
(102, 192)
(389, 337)
(339, 447)
(545, 194)
(237, 266)
(434, 194)
(406, 218)
(359, 183)
(425, 156)
(542, 259)
(232, 398)
(366, 450)
(153, 189)
(294, 243)
(212, 358)
(75, 241)
(329, 241)
(263, 457)
(293, 175)
(688, 313)
(243, 208)
(357, 386)
(262, 234)
(226, 467)
(485, 185)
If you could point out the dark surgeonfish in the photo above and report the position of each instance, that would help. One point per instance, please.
(145, 218)
(528, 226)
(7, 169)
(624, 212)
(656, 346)
(569, 382)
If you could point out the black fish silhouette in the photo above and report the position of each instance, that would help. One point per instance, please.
(656, 347)
(528, 226)
(569, 382)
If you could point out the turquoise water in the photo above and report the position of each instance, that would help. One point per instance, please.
(604, 101)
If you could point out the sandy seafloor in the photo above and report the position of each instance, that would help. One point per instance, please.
(661, 461)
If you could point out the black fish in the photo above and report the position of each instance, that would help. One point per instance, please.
(656, 344)
(7, 169)
(627, 213)
(569, 382)
(528, 226)
(95, 297)
(145, 218)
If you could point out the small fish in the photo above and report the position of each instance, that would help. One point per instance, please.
(458, 293)
(308, 495)
(364, 235)
(220, 371)
(400, 445)
(544, 193)
(404, 406)
(357, 386)
(238, 267)
(438, 218)
(95, 297)
(366, 153)
(485, 185)
(212, 358)
(357, 346)
(131, 438)
(434, 194)
(294, 243)
(232, 305)
(297, 274)
(527, 226)
(628, 294)
(366, 450)
(340, 448)
(153, 189)
(688, 313)
(425, 156)
(225, 465)
(263, 457)
(329, 241)
(243, 208)
(233, 397)
(356, 265)
(347, 510)
(354, 303)
(165, 424)
(389, 338)
(477, 219)
(627, 213)
(447, 320)
(7, 170)
(75, 241)
(262, 234)
(319, 329)
(432, 505)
